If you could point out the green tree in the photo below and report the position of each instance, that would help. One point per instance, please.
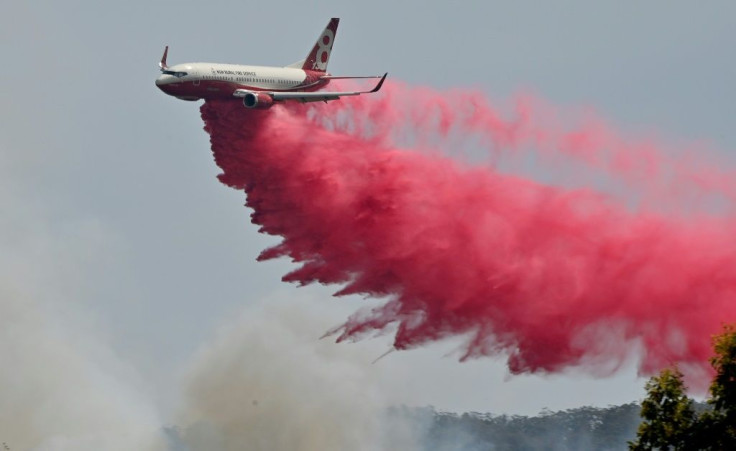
(723, 388)
(716, 429)
(667, 412)
(669, 419)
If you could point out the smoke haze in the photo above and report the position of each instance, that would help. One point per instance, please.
(62, 387)
(267, 382)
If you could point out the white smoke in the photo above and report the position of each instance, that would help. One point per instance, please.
(57, 393)
(61, 386)
(266, 382)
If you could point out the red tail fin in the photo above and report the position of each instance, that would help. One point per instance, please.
(320, 55)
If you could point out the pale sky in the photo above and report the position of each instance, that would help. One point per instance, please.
(120, 247)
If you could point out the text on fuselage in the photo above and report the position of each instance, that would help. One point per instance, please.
(232, 72)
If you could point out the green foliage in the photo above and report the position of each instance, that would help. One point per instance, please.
(717, 429)
(723, 388)
(668, 414)
(669, 419)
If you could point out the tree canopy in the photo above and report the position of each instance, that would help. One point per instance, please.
(669, 420)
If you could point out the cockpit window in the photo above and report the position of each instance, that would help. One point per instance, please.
(175, 74)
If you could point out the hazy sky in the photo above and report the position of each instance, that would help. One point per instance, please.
(122, 251)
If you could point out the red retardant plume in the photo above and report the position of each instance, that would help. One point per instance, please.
(551, 276)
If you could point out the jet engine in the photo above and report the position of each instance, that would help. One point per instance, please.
(257, 100)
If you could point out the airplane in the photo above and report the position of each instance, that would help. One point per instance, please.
(259, 86)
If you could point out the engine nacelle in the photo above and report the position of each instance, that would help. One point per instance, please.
(257, 100)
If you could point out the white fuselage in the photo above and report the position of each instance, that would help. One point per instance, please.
(193, 81)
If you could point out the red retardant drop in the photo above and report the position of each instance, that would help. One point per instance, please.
(552, 277)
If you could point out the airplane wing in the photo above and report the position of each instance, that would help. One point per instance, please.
(303, 96)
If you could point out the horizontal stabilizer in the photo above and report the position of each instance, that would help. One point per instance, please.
(297, 65)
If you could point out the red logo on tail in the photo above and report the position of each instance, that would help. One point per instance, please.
(320, 54)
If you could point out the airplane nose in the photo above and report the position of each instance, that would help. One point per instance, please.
(163, 83)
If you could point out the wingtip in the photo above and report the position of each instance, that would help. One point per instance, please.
(163, 64)
(380, 83)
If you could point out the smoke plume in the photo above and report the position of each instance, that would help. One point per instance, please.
(62, 385)
(267, 382)
(551, 275)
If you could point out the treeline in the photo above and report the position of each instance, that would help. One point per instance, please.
(584, 428)
(667, 419)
